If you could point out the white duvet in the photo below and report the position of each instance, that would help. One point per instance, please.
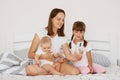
(113, 73)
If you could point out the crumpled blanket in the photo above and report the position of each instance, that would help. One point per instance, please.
(12, 64)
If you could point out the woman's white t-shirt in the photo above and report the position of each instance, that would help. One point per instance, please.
(57, 41)
(84, 60)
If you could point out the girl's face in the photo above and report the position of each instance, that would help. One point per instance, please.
(46, 47)
(58, 20)
(78, 34)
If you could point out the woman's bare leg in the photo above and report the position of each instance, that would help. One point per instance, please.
(33, 70)
(69, 69)
(52, 70)
(57, 66)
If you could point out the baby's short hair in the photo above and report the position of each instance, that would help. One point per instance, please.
(45, 40)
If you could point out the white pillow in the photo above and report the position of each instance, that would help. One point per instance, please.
(9, 59)
(101, 59)
(1, 54)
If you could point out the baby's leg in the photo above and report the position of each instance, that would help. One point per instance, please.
(51, 69)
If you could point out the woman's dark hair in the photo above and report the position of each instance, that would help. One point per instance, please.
(78, 26)
(53, 13)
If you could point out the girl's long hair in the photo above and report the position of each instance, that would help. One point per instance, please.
(78, 26)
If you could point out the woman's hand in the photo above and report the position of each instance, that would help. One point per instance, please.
(60, 59)
(58, 55)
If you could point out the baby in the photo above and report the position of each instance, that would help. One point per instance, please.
(45, 58)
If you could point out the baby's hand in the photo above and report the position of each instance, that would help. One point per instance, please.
(37, 62)
(58, 55)
(50, 52)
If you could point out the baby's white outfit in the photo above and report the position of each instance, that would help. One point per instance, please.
(43, 61)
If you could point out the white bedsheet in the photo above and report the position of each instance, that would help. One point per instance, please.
(113, 73)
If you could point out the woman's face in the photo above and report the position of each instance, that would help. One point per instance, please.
(78, 34)
(58, 20)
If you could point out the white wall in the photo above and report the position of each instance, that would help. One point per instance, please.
(22, 17)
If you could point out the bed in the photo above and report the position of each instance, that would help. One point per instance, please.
(102, 53)
(113, 73)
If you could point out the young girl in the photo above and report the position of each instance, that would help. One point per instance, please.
(45, 58)
(79, 45)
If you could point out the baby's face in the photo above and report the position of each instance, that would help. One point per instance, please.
(46, 47)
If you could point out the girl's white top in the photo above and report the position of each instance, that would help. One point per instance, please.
(77, 48)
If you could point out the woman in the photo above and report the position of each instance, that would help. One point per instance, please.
(55, 30)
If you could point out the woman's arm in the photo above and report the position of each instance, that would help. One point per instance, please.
(67, 52)
(34, 46)
(89, 61)
(37, 58)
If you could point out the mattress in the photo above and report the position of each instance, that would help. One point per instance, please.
(113, 73)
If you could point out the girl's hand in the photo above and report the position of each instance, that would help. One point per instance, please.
(80, 51)
(91, 69)
(78, 56)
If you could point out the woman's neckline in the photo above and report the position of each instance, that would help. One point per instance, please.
(54, 36)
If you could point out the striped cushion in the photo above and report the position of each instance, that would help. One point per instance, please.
(1, 54)
(12, 64)
(8, 60)
(101, 59)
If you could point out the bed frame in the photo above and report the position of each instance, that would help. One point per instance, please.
(101, 43)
